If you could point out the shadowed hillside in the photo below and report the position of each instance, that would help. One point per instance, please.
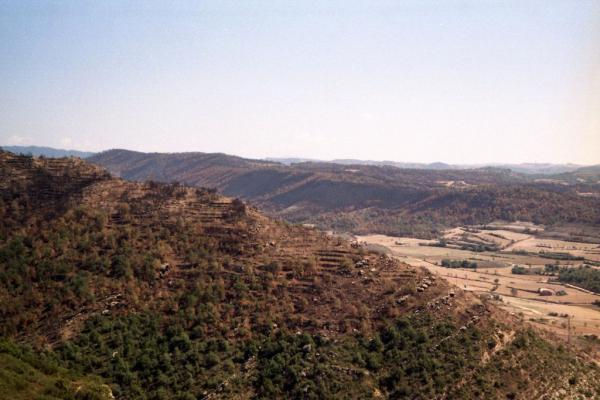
(368, 198)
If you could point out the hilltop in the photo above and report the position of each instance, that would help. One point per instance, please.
(368, 198)
(161, 291)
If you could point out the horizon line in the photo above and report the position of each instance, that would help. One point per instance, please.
(308, 159)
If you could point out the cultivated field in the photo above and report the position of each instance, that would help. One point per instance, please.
(497, 249)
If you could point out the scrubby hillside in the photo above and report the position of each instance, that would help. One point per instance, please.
(170, 292)
(368, 198)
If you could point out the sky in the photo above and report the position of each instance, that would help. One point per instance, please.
(418, 81)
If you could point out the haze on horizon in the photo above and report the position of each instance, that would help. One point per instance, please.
(418, 81)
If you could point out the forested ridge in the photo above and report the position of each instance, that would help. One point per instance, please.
(369, 198)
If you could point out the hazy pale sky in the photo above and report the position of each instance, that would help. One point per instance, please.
(454, 81)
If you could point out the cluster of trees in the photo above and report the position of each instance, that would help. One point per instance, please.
(560, 256)
(479, 248)
(520, 270)
(549, 269)
(150, 356)
(459, 264)
(586, 277)
(154, 356)
(22, 365)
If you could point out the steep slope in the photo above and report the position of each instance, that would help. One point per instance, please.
(26, 374)
(165, 291)
(367, 198)
(129, 230)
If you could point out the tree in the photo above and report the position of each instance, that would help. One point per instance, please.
(122, 267)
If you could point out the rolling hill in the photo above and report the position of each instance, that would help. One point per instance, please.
(162, 291)
(367, 198)
(523, 168)
(590, 175)
(47, 151)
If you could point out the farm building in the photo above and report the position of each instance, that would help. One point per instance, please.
(545, 292)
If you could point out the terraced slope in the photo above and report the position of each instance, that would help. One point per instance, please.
(171, 292)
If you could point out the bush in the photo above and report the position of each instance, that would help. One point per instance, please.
(519, 270)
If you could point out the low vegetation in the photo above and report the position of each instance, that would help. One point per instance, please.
(459, 264)
(560, 256)
(549, 269)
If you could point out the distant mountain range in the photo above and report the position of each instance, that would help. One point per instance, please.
(540, 172)
(364, 198)
(47, 151)
(523, 168)
(368, 196)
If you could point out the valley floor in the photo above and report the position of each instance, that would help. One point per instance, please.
(571, 315)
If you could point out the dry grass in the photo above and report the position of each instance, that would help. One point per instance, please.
(517, 293)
